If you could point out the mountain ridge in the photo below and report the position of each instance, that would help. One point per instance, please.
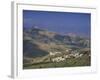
(43, 41)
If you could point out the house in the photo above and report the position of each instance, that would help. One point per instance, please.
(80, 55)
(66, 56)
(54, 53)
(76, 55)
(58, 59)
(68, 50)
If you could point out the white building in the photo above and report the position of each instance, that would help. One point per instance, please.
(54, 53)
(76, 55)
(58, 59)
(67, 50)
(66, 56)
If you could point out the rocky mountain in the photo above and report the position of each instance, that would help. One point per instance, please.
(39, 42)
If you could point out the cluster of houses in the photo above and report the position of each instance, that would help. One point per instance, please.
(74, 54)
(58, 56)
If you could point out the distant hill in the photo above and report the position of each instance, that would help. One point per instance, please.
(39, 42)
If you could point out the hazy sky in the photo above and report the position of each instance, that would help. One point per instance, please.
(61, 22)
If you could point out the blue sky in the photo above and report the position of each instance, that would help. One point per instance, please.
(60, 22)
